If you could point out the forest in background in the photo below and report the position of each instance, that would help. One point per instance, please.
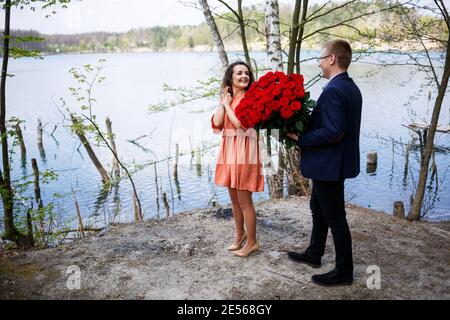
(368, 32)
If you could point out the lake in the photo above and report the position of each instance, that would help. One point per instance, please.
(392, 95)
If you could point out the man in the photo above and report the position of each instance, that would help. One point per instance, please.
(330, 154)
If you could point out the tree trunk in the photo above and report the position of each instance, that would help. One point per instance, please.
(297, 184)
(414, 213)
(274, 53)
(215, 33)
(5, 178)
(116, 168)
(300, 35)
(105, 177)
(275, 58)
(243, 36)
(293, 37)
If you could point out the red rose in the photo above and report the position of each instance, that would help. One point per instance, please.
(296, 105)
(286, 112)
(274, 94)
(284, 102)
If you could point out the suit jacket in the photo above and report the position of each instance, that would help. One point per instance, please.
(330, 149)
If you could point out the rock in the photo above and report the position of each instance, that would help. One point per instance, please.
(104, 231)
(274, 254)
(223, 213)
(187, 249)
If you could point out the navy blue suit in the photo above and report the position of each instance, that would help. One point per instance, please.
(330, 149)
(329, 155)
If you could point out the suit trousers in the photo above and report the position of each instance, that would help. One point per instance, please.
(328, 211)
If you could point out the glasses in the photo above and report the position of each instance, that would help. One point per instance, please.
(324, 57)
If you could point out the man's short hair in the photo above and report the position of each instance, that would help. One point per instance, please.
(342, 50)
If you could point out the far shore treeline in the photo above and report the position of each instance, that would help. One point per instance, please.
(198, 37)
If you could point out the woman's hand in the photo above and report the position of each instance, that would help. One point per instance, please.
(225, 98)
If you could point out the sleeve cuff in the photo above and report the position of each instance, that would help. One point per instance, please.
(216, 129)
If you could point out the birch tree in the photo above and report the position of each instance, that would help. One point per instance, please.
(272, 24)
(275, 59)
(215, 33)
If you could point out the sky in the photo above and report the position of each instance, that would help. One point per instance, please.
(114, 15)
(119, 15)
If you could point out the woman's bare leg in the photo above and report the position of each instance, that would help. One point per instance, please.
(246, 203)
(237, 215)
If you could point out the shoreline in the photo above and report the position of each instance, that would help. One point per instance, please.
(206, 49)
(185, 257)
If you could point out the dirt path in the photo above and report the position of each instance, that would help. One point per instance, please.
(185, 258)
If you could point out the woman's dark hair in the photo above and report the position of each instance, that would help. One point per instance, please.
(228, 77)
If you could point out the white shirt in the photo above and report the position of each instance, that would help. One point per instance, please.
(329, 80)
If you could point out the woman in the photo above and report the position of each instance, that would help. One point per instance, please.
(238, 166)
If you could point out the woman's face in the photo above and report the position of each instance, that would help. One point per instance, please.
(241, 76)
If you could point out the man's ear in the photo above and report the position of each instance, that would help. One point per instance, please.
(333, 59)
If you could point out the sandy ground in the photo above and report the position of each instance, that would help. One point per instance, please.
(185, 257)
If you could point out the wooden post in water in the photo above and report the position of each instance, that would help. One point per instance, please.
(80, 221)
(434, 168)
(198, 161)
(157, 188)
(80, 133)
(37, 197)
(405, 170)
(175, 171)
(137, 213)
(192, 152)
(40, 144)
(399, 210)
(40, 129)
(372, 157)
(116, 168)
(30, 226)
(23, 149)
(175, 167)
(372, 161)
(166, 204)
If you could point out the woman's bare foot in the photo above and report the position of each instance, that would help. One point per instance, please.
(238, 242)
(247, 250)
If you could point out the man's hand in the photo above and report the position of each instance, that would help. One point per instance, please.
(293, 136)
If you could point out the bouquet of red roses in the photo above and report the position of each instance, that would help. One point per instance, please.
(276, 101)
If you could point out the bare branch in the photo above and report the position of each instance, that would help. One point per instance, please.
(318, 10)
(440, 4)
(417, 33)
(352, 19)
(231, 9)
(331, 10)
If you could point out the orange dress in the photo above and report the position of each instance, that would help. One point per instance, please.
(238, 163)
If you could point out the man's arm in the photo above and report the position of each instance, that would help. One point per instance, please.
(334, 121)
